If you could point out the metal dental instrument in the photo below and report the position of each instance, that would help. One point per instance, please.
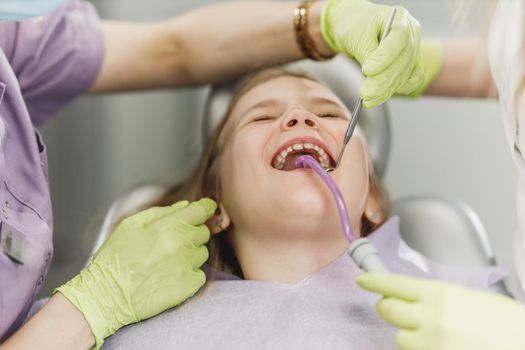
(359, 104)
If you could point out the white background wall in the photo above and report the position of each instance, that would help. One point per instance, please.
(100, 146)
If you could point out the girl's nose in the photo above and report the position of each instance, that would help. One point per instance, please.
(299, 118)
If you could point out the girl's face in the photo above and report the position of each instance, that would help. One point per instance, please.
(269, 126)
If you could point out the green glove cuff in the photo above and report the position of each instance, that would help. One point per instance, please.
(77, 291)
(325, 26)
(432, 61)
(88, 309)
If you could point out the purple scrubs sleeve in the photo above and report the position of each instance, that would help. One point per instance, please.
(44, 63)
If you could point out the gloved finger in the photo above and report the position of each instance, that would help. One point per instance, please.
(193, 281)
(379, 88)
(198, 278)
(199, 257)
(147, 216)
(410, 340)
(196, 213)
(414, 82)
(196, 235)
(387, 52)
(400, 313)
(170, 294)
(361, 52)
(404, 35)
(180, 204)
(391, 285)
(378, 91)
(417, 76)
(200, 235)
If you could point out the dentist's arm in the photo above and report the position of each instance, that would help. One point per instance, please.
(441, 316)
(59, 325)
(205, 45)
(222, 41)
(460, 68)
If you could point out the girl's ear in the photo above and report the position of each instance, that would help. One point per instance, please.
(373, 211)
(220, 221)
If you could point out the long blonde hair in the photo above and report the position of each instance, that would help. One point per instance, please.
(205, 181)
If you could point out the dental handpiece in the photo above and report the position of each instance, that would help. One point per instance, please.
(359, 105)
(361, 250)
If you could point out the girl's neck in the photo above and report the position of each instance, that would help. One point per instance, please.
(285, 258)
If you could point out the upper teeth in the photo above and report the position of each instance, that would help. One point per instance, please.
(281, 157)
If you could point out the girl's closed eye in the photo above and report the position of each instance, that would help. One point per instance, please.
(332, 116)
(263, 118)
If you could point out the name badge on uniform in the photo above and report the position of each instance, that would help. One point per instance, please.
(13, 242)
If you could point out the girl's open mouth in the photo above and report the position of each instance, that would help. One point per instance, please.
(285, 158)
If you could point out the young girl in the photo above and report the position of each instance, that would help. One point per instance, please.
(277, 253)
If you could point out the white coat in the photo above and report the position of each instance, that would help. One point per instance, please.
(506, 50)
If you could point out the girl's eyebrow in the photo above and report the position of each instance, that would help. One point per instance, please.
(325, 101)
(263, 104)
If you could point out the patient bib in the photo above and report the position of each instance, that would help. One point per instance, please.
(324, 311)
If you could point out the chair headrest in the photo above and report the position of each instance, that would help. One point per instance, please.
(344, 78)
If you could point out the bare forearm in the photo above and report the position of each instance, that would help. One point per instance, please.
(243, 37)
(59, 325)
(206, 45)
(465, 71)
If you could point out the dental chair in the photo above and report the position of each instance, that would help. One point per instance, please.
(442, 229)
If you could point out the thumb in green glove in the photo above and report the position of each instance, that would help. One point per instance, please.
(441, 316)
(354, 28)
(149, 264)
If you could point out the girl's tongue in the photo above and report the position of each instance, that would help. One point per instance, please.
(289, 163)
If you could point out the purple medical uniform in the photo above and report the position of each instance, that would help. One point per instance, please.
(44, 63)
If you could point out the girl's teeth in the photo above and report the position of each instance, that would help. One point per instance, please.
(322, 155)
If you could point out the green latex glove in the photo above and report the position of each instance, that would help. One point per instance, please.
(149, 264)
(354, 28)
(442, 316)
(432, 61)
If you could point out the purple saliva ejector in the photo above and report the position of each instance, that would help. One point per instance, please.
(361, 250)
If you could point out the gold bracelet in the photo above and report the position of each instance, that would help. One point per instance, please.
(303, 38)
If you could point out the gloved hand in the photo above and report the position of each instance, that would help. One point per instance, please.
(149, 264)
(442, 316)
(354, 28)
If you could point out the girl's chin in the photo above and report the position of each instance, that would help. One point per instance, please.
(307, 198)
(308, 216)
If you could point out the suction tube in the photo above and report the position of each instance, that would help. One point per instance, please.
(361, 251)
